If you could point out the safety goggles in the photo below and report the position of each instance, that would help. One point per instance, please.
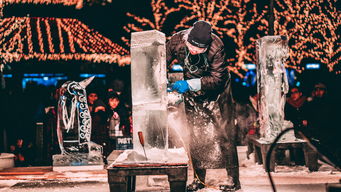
(195, 49)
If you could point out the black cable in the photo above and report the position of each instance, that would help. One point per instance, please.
(309, 142)
(268, 157)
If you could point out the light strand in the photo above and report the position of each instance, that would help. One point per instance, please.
(29, 35)
(244, 23)
(90, 45)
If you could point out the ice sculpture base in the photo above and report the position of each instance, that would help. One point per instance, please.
(262, 147)
(122, 173)
(154, 155)
(78, 168)
(77, 161)
(122, 177)
(283, 139)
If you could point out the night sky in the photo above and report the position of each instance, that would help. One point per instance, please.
(107, 20)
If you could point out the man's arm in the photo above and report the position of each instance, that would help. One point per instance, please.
(218, 73)
(170, 51)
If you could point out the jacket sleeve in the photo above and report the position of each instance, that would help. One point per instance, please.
(217, 72)
(170, 51)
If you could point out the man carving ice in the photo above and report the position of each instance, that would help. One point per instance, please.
(208, 101)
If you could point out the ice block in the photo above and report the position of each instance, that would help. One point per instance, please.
(149, 95)
(272, 85)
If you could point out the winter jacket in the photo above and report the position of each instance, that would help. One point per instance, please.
(212, 68)
(293, 111)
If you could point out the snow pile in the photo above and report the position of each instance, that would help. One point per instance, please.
(209, 190)
(154, 155)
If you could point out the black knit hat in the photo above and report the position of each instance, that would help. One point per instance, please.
(112, 95)
(200, 34)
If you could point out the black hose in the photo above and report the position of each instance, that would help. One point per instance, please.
(268, 157)
(309, 142)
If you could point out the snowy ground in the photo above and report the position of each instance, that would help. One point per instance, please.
(252, 176)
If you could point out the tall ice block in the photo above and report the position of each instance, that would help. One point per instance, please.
(149, 91)
(272, 85)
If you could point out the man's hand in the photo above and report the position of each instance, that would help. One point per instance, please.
(180, 86)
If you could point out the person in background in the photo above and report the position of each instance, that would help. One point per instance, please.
(293, 112)
(317, 110)
(293, 108)
(23, 153)
(50, 125)
(321, 118)
(254, 127)
(117, 118)
(99, 133)
(94, 103)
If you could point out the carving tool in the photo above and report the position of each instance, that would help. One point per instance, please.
(142, 143)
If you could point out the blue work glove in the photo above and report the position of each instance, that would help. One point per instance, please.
(180, 86)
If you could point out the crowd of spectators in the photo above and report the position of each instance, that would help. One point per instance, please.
(111, 118)
(109, 105)
(316, 116)
(313, 112)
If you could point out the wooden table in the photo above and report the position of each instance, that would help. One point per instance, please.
(122, 177)
(261, 148)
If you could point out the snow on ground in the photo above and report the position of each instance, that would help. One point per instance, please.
(252, 176)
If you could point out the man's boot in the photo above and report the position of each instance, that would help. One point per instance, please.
(227, 188)
(234, 174)
(199, 180)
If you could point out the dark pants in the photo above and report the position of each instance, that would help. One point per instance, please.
(229, 134)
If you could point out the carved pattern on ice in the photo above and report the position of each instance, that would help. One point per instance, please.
(272, 85)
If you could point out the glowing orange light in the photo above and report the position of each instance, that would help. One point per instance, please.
(312, 29)
(16, 33)
(244, 23)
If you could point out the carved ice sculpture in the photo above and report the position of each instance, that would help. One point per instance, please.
(74, 127)
(149, 95)
(150, 101)
(272, 85)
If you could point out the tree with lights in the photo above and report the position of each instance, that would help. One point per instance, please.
(235, 19)
(161, 12)
(230, 19)
(243, 21)
(312, 27)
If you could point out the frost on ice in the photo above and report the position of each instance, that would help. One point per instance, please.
(272, 86)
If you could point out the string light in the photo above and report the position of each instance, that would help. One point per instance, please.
(242, 21)
(312, 30)
(40, 36)
(29, 36)
(49, 36)
(61, 41)
(228, 18)
(77, 3)
(91, 46)
(1, 9)
(46, 2)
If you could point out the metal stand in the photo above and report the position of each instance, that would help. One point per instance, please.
(122, 178)
(333, 187)
(261, 149)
